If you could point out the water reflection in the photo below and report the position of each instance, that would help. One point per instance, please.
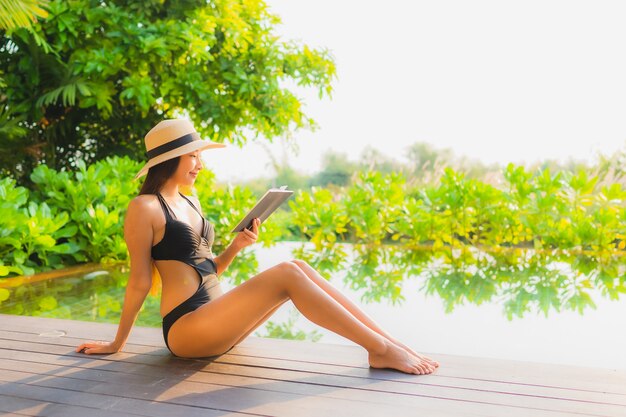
(521, 281)
(96, 296)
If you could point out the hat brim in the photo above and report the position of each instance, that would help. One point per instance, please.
(185, 149)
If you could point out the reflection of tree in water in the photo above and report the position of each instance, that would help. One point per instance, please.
(91, 297)
(522, 280)
(99, 296)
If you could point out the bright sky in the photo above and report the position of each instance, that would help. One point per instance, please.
(500, 81)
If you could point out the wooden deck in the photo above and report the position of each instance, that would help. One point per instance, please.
(40, 374)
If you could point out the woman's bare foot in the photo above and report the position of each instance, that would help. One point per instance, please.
(396, 357)
(414, 353)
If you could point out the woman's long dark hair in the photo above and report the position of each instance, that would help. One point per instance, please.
(158, 175)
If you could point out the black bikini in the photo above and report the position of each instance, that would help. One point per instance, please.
(182, 243)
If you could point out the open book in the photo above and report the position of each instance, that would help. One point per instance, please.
(266, 205)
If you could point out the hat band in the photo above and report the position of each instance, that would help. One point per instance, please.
(173, 144)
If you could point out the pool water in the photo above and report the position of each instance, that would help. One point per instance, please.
(595, 338)
(95, 296)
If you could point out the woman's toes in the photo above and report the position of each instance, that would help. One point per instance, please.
(429, 360)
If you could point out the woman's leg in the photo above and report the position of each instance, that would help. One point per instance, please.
(352, 307)
(260, 322)
(214, 328)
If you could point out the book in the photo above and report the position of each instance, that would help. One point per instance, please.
(266, 205)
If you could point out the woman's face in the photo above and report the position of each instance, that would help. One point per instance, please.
(188, 167)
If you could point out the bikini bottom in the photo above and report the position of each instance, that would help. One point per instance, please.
(207, 291)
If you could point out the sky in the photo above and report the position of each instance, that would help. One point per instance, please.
(497, 81)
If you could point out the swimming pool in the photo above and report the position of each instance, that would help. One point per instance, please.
(594, 339)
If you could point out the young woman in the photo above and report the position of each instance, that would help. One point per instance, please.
(166, 230)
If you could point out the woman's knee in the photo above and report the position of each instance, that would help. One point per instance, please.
(292, 272)
(291, 268)
(300, 263)
(304, 266)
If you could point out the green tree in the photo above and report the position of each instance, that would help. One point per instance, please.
(336, 169)
(423, 156)
(21, 13)
(374, 160)
(94, 77)
(285, 174)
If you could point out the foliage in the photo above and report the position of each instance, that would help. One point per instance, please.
(21, 13)
(285, 330)
(94, 198)
(96, 296)
(540, 240)
(224, 207)
(77, 217)
(94, 77)
(316, 217)
(32, 234)
(336, 169)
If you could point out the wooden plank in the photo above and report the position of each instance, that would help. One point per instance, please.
(257, 364)
(52, 401)
(81, 329)
(453, 367)
(262, 368)
(256, 402)
(257, 361)
(302, 350)
(28, 407)
(384, 395)
(470, 368)
(201, 397)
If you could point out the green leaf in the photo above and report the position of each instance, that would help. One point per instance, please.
(47, 302)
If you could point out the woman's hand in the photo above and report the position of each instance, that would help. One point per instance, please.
(247, 237)
(98, 347)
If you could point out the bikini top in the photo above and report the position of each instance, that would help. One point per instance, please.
(182, 243)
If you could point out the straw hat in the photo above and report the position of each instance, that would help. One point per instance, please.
(171, 138)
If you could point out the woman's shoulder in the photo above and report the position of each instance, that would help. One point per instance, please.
(147, 204)
(139, 225)
(143, 200)
(143, 212)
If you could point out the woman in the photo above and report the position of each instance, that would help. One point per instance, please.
(166, 229)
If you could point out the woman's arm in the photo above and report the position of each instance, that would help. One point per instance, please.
(226, 258)
(138, 235)
(244, 238)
